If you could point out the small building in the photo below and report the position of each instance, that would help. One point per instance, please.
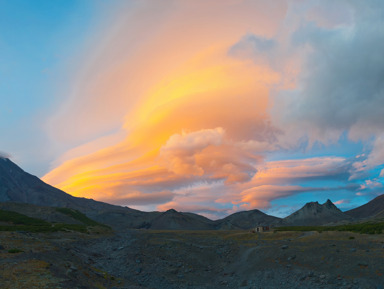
(261, 229)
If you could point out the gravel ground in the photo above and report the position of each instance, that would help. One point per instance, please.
(194, 259)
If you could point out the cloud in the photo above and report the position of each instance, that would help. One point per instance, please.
(340, 86)
(138, 198)
(208, 153)
(344, 201)
(299, 170)
(261, 196)
(182, 118)
(170, 112)
(255, 47)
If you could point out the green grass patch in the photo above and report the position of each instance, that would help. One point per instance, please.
(20, 219)
(20, 222)
(363, 228)
(14, 251)
(79, 217)
(45, 229)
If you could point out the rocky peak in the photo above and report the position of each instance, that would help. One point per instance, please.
(314, 213)
(329, 205)
(171, 211)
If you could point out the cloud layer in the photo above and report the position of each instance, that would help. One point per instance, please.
(184, 104)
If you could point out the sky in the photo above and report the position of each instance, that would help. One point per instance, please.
(210, 107)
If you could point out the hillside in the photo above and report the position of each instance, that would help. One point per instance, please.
(368, 210)
(246, 220)
(173, 220)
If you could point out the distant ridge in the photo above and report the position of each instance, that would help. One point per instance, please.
(173, 220)
(368, 210)
(246, 220)
(315, 214)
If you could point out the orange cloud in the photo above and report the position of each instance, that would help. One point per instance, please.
(163, 107)
(261, 196)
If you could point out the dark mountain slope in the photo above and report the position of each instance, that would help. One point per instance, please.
(174, 220)
(246, 220)
(368, 210)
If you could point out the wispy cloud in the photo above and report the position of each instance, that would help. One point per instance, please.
(184, 114)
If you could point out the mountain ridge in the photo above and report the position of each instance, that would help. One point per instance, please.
(16, 185)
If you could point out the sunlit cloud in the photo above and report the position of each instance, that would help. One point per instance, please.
(339, 202)
(170, 112)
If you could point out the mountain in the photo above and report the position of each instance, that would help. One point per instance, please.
(315, 214)
(173, 220)
(246, 220)
(370, 209)
(20, 187)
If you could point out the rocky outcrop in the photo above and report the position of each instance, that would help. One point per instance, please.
(314, 214)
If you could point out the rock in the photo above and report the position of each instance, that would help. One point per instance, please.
(292, 258)
(284, 247)
(353, 250)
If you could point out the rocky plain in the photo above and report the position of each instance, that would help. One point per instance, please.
(191, 259)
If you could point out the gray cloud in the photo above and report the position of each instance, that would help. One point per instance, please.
(341, 87)
(252, 46)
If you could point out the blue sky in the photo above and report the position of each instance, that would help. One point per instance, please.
(39, 43)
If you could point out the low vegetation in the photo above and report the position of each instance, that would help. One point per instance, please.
(14, 251)
(12, 221)
(363, 228)
(79, 217)
(20, 219)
